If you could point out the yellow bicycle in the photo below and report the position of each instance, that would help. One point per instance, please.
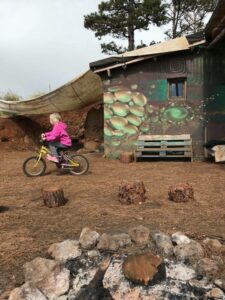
(76, 164)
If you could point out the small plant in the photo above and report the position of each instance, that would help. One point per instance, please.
(11, 96)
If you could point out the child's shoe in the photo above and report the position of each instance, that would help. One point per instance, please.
(52, 158)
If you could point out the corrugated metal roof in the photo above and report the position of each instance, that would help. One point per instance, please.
(170, 46)
(174, 45)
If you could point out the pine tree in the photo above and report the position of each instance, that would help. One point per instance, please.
(187, 16)
(121, 18)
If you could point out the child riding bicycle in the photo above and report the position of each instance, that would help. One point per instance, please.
(58, 138)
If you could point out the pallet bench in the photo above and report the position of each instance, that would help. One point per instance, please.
(160, 146)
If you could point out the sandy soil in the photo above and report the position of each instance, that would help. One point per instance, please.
(27, 227)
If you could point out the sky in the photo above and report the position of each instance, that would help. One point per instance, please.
(43, 43)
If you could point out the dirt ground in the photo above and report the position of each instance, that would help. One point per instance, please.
(27, 227)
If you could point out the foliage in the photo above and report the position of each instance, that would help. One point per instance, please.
(121, 18)
(11, 96)
(187, 17)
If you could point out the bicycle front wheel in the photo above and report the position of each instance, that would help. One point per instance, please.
(81, 164)
(32, 167)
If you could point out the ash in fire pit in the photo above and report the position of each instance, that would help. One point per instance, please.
(78, 273)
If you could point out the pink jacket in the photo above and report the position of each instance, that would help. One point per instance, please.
(59, 134)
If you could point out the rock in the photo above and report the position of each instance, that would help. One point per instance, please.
(207, 267)
(163, 243)
(48, 276)
(38, 269)
(146, 269)
(139, 234)
(56, 283)
(64, 297)
(220, 283)
(114, 242)
(26, 292)
(123, 239)
(182, 192)
(88, 238)
(215, 293)
(180, 272)
(189, 253)
(68, 249)
(93, 253)
(200, 287)
(179, 238)
(213, 245)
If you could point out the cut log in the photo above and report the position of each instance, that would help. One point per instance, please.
(132, 192)
(182, 192)
(53, 196)
(127, 157)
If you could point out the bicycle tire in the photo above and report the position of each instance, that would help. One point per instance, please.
(41, 163)
(82, 168)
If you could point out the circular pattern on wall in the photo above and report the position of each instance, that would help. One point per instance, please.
(176, 113)
(177, 66)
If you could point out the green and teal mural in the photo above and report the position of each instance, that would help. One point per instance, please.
(129, 113)
(137, 103)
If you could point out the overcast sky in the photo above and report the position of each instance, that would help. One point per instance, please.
(43, 43)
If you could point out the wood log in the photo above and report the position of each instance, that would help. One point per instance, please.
(53, 196)
(132, 192)
(127, 157)
(182, 192)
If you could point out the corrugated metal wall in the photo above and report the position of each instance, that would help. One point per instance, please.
(137, 101)
(214, 78)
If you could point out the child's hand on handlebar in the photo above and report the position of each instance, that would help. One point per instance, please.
(43, 137)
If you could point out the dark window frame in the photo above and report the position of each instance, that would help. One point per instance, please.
(184, 87)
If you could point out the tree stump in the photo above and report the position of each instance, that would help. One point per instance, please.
(132, 193)
(182, 192)
(127, 157)
(53, 196)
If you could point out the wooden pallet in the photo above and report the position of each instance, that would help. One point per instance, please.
(169, 146)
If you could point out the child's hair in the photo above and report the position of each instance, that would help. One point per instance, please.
(55, 117)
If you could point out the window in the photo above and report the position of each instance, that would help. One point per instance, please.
(177, 88)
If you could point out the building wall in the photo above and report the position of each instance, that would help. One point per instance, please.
(214, 70)
(136, 102)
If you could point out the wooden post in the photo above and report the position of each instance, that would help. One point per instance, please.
(53, 196)
(127, 157)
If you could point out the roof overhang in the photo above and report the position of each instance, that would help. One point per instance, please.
(127, 58)
(215, 29)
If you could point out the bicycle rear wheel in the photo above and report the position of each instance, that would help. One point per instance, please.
(33, 168)
(83, 166)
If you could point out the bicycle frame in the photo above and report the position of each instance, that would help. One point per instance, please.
(45, 150)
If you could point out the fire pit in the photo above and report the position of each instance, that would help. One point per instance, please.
(78, 270)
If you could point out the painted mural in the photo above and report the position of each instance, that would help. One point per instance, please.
(138, 100)
(128, 113)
